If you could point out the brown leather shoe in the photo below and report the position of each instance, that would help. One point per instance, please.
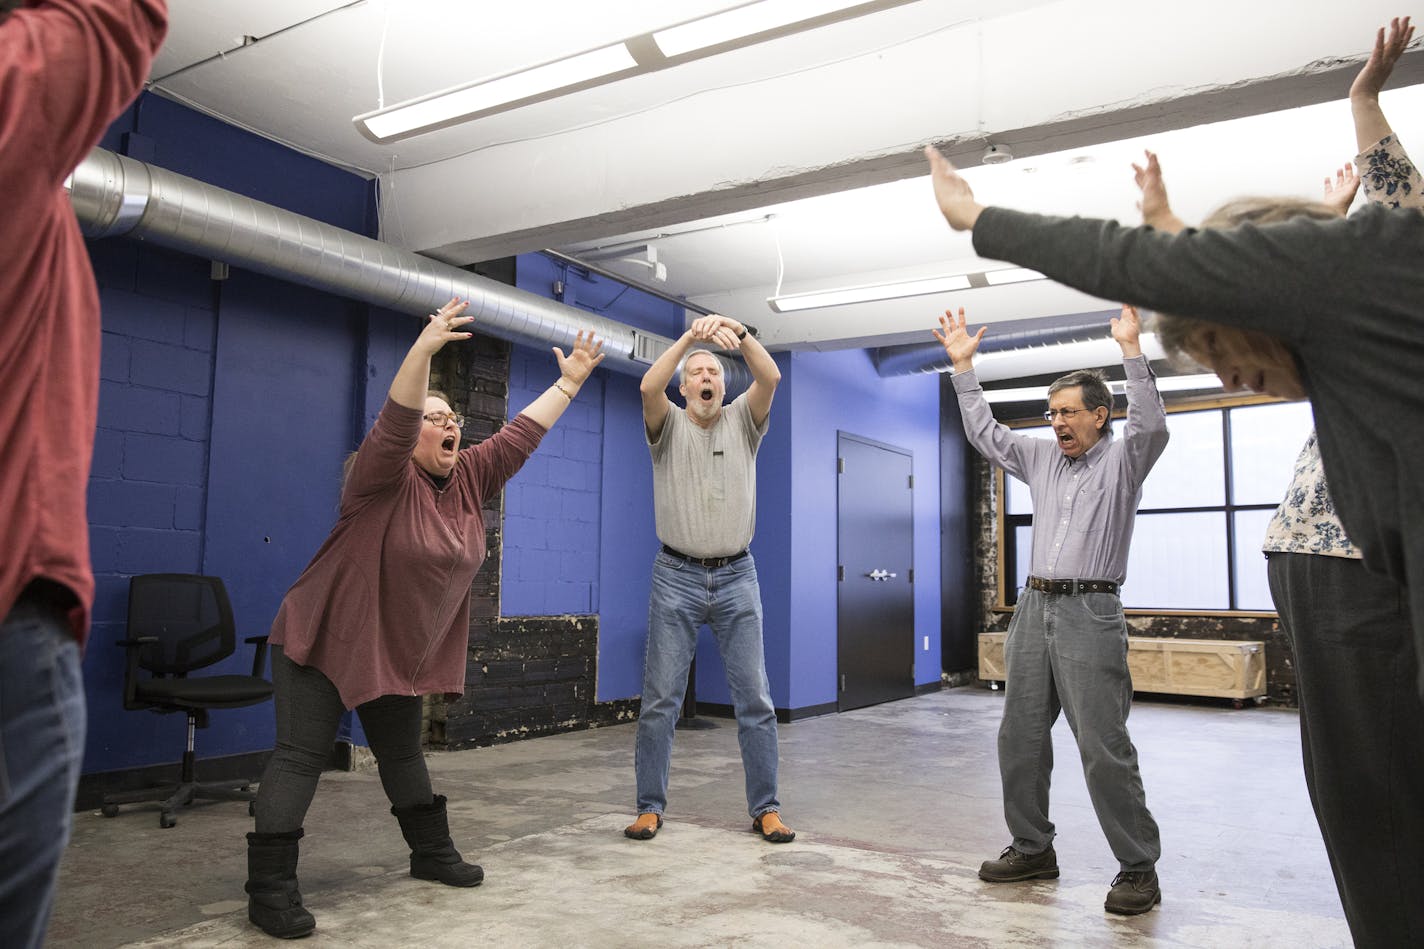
(646, 827)
(772, 830)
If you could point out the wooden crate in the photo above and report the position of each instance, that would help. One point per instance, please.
(1214, 667)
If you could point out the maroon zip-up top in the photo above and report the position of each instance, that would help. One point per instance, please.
(384, 606)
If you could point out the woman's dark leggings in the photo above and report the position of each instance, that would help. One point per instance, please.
(309, 711)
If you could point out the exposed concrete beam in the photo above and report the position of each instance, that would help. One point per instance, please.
(1067, 75)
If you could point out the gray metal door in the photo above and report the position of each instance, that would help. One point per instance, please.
(875, 556)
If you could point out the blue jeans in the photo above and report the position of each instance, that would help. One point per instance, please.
(1069, 654)
(684, 597)
(41, 748)
(1361, 736)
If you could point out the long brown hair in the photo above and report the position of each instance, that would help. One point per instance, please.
(350, 461)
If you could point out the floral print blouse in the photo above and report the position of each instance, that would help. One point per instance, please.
(1305, 523)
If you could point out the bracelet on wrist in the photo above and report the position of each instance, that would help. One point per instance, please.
(559, 384)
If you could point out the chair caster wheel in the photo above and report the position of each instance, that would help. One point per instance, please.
(109, 810)
(167, 820)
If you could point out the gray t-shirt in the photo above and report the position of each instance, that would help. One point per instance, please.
(704, 481)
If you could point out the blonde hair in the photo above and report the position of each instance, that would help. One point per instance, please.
(1174, 332)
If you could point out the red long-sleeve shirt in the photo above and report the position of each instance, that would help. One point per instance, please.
(67, 69)
(384, 606)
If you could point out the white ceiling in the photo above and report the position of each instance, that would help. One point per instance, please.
(798, 159)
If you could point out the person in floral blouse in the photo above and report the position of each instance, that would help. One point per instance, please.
(1361, 718)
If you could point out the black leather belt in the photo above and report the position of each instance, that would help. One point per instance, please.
(1071, 587)
(48, 594)
(704, 561)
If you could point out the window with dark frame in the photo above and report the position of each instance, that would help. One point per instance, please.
(1203, 514)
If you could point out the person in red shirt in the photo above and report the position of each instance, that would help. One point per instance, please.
(67, 69)
(381, 615)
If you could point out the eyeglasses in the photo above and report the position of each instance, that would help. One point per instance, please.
(1047, 416)
(439, 419)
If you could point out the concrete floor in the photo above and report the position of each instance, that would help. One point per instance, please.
(895, 807)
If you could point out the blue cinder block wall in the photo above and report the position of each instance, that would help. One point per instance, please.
(225, 409)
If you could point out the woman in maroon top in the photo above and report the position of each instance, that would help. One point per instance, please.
(380, 616)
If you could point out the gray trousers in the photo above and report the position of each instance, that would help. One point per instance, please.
(309, 711)
(1069, 654)
(1361, 736)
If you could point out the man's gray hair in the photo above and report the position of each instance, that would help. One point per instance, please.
(1094, 386)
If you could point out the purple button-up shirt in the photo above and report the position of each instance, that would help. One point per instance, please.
(1083, 508)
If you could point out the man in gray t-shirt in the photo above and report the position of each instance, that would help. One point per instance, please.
(704, 502)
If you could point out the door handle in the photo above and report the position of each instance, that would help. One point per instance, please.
(879, 575)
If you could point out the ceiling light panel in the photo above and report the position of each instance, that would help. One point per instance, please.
(462, 103)
(743, 22)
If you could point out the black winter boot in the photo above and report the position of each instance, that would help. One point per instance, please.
(273, 903)
(432, 853)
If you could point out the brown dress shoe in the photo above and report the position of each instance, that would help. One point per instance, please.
(772, 830)
(646, 827)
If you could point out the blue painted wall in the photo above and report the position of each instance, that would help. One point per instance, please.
(225, 410)
(841, 392)
(556, 558)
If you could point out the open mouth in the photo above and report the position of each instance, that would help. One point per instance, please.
(1065, 439)
(706, 394)
(448, 444)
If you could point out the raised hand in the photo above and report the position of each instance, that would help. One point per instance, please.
(1126, 329)
(1383, 57)
(1156, 209)
(444, 326)
(1341, 194)
(720, 331)
(952, 193)
(585, 356)
(957, 343)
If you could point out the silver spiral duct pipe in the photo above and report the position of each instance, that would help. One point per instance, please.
(116, 195)
(911, 358)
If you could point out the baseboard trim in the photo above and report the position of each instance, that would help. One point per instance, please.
(783, 715)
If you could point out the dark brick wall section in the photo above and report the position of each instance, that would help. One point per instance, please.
(526, 676)
(529, 676)
(1280, 664)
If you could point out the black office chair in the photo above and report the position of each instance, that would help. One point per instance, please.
(180, 622)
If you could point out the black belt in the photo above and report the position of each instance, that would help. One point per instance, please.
(705, 561)
(1071, 587)
(48, 594)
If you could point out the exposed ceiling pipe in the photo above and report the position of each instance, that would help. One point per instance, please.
(116, 195)
(1009, 352)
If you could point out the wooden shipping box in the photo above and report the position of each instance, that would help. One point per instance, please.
(1214, 667)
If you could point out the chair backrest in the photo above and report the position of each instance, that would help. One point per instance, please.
(191, 617)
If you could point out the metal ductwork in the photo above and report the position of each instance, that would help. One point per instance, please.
(116, 195)
(1039, 338)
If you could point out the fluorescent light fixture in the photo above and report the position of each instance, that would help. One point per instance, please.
(745, 25)
(465, 102)
(907, 288)
(741, 22)
(997, 278)
(882, 291)
(1169, 384)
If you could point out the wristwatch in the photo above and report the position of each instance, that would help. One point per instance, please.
(747, 330)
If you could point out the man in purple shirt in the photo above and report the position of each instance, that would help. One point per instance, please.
(1067, 644)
